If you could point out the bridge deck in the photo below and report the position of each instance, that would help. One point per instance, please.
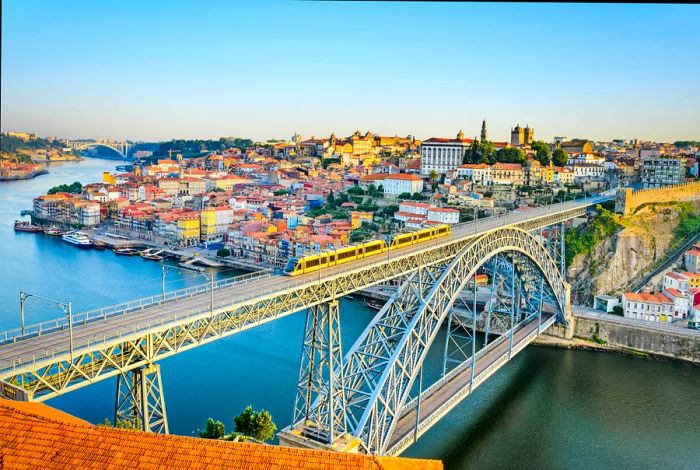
(438, 400)
(28, 350)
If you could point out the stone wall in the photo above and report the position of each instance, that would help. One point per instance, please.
(623, 336)
(628, 200)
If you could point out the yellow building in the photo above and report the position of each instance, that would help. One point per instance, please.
(108, 178)
(188, 229)
(357, 217)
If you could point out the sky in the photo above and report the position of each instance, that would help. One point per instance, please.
(153, 70)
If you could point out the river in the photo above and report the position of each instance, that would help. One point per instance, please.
(548, 408)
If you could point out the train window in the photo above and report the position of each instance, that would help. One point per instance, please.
(371, 248)
(312, 263)
(347, 254)
(423, 235)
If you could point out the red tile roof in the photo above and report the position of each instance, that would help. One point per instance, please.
(34, 435)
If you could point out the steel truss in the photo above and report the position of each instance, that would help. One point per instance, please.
(320, 376)
(53, 374)
(381, 367)
(140, 400)
(555, 241)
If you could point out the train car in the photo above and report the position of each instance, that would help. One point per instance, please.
(311, 263)
(420, 236)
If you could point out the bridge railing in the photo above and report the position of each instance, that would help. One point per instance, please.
(95, 341)
(82, 318)
(140, 304)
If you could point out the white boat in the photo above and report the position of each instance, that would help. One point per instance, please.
(78, 239)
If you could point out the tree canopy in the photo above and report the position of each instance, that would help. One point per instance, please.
(560, 157)
(198, 146)
(213, 430)
(73, 188)
(542, 152)
(255, 424)
(509, 155)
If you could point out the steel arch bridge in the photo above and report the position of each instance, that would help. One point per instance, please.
(363, 400)
(122, 148)
(367, 399)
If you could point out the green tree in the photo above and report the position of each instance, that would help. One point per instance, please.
(418, 197)
(223, 252)
(356, 190)
(560, 157)
(213, 430)
(542, 152)
(331, 199)
(255, 424)
(280, 192)
(405, 196)
(434, 175)
(509, 155)
(488, 151)
(73, 188)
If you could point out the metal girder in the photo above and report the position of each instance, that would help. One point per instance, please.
(140, 401)
(51, 373)
(321, 377)
(382, 365)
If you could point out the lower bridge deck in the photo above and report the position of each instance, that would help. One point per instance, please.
(437, 400)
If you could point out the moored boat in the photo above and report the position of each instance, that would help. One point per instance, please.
(373, 305)
(98, 245)
(53, 231)
(21, 226)
(126, 251)
(78, 239)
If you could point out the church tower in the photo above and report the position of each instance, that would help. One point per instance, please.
(517, 136)
(529, 134)
(484, 134)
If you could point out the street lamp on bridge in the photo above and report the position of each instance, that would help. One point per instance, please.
(66, 307)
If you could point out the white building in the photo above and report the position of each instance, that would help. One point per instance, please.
(402, 183)
(442, 154)
(681, 302)
(691, 259)
(443, 215)
(585, 172)
(674, 280)
(650, 307)
(478, 173)
(661, 171)
(416, 208)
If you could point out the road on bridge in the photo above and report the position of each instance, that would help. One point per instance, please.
(33, 349)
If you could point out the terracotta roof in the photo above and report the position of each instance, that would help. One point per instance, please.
(657, 298)
(37, 436)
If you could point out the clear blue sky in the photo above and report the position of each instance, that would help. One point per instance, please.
(179, 69)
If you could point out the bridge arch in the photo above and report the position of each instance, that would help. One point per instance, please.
(382, 365)
(87, 145)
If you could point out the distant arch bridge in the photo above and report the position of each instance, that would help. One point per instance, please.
(122, 148)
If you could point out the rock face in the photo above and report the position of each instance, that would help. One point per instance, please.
(620, 259)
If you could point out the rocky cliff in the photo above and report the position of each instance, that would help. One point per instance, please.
(644, 238)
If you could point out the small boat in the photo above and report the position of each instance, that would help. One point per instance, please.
(78, 239)
(53, 231)
(126, 251)
(373, 305)
(98, 245)
(152, 254)
(350, 297)
(21, 226)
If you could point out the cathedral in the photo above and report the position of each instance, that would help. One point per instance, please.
(520, 136)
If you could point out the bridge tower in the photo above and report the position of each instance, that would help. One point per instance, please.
(319, 409)
(140, 400)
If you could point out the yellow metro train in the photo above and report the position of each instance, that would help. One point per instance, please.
(311, 263)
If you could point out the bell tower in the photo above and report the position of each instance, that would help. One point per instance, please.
(484, 133)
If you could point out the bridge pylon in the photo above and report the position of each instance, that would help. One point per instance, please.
(319, 419)
(140, 400)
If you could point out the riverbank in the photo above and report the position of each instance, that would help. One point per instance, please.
(27, 176)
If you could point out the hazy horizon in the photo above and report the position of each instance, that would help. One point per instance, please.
(152, 72)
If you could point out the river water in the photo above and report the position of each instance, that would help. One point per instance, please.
(548, 408)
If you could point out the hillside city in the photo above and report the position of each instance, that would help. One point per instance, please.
(256, 205)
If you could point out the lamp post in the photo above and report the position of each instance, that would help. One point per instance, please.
(208, 277)
(66, 307)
